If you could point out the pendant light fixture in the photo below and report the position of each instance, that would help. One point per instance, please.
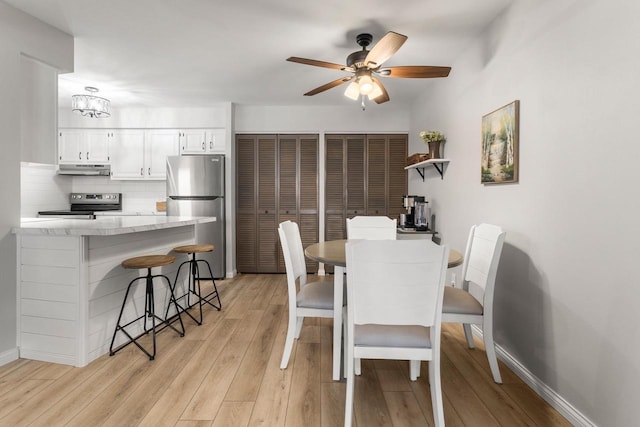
(90, 105)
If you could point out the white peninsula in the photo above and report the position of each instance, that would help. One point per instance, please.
(71, 284)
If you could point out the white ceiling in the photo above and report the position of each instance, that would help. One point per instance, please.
(179, 53)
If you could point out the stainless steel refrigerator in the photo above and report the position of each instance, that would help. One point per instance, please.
(195, 187)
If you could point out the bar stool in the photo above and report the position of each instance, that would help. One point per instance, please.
(194, 277)
(148, 262)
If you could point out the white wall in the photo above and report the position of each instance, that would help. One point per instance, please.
(567, 292)
(19, 34)
(131, 117)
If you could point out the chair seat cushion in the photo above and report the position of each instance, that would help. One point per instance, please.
(459, 301)
(392, 336)
(316, 295)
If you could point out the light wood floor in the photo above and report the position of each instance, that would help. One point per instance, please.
(226, 373)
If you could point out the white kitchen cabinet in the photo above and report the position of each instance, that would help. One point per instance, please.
(127, 154)
(84, 146)
(159, 144)
(202, 141)
(139, 154)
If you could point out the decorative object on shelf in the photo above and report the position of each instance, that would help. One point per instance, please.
(91, 105)
(433, 139)
(417, 158)
(500, 129)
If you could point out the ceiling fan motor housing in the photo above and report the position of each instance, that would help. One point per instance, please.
(356, 59)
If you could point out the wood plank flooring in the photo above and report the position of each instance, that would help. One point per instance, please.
(227, 373)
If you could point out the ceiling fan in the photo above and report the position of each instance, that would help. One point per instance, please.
(366, 65)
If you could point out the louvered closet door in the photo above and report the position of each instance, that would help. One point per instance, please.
(288, 188)
(355, 165)
(376, 175)
(267, 205)
(397, 177)
(335, 199)
(246, 219)
(308, 213)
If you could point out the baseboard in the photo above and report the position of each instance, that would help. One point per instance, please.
(9, 356)
(558, 402)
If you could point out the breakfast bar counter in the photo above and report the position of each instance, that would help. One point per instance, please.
(71, 283)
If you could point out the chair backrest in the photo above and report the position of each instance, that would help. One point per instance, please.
(481, 259)
(293, 253)
(395, 282)
(371, 228)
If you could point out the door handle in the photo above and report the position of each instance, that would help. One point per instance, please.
(211, 145)
(141, 171)
(149, 172)
(203, 146)
(79, 155)
(87, 155)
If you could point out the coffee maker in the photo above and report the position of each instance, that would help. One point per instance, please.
(416, 216)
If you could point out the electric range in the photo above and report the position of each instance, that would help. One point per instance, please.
(84, 206)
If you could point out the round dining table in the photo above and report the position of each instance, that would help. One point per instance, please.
(332, 252)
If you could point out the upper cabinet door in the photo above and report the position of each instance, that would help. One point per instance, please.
(159, 144)
(71, 146)
(216, 141)
(193, 141)
(97, 145)
(83, 146)
(127, 154)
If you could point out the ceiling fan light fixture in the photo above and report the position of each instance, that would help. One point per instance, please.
(91, 105)
(376, 92)
(352, 91)
(366, 85)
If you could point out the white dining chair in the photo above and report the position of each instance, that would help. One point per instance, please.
(312, 299)
(405, 324)
(371, 227)
(473, 303)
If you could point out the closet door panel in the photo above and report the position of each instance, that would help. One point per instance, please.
(246, 219)
(308, 174)
(355, 175)
(376, 175)
(287, 177)
(397, 177)
(335, 188)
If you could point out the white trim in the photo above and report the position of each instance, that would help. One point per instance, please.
(9, 356)
(558, 402)
(48, 357)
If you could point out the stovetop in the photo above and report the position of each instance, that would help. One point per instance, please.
(84, 205)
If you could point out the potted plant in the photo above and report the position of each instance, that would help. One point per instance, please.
(433, 139)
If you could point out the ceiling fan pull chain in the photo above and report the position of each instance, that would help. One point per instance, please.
(362, 104)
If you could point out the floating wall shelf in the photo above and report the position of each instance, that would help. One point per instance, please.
(437, 163)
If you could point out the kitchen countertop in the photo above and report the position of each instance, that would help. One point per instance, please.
(104, 225)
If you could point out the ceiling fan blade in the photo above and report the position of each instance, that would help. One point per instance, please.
(415, 72)
(328, 86)
(319, 63)
(384, 49)
(381, 98)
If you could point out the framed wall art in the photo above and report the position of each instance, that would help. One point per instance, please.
(500, 129)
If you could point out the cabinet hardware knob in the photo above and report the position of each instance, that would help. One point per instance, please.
(203, 146)
(210, 145)
(149, 171)
(141, 171)
(87, 155)
(80, 155)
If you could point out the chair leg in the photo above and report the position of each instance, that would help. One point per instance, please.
(299, 321)
(490, 349)
(436, 391)
(214, 293)
(348, 406)
(357, 367)
(414, 369)
(288, 343)
(468, 334)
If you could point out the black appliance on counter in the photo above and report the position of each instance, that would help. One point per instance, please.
(417, 213)
(84, 206)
